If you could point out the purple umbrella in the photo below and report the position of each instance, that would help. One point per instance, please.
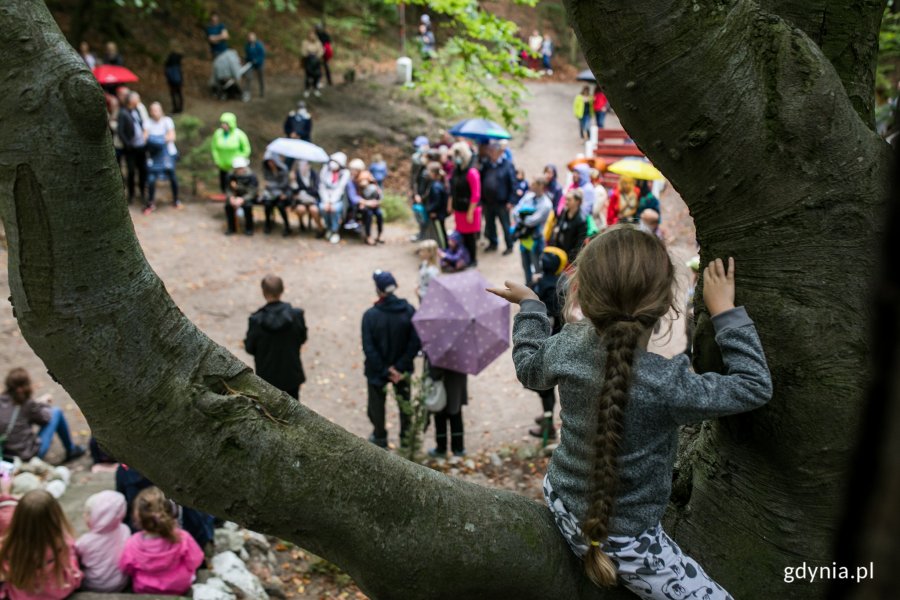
(462, 327)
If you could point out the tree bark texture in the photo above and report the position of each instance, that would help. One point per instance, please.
(164, 398)
(750, 121)
(870, 529)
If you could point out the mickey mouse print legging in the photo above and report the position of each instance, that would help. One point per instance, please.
(651, 565)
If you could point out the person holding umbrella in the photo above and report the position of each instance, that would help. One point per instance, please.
(390, 344)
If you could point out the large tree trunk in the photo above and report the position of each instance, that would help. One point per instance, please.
(163, 397)
(752, 124)
(726, 90)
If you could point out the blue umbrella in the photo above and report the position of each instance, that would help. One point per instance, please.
(479, 130)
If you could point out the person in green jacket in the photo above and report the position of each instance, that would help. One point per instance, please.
(228, 143)
(582, 108)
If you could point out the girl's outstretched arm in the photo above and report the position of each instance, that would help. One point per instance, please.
(532, 343)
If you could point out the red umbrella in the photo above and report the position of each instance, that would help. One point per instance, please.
(111, 74)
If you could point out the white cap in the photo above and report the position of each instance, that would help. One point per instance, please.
(340, 158)
(357, 164)
(240, 162)
(426, 19)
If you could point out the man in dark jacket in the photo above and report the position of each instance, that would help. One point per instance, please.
(298, 124)
(274, 337)
(390, 344)
(498, 195)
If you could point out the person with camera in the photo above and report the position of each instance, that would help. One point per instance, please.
(530, 215)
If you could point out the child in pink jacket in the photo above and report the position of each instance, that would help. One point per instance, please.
(161, 559)
(38, 561)
(99, 550)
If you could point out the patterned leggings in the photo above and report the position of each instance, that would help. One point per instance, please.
(651, 564)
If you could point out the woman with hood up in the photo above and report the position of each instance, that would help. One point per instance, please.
(99, 550)
(228, 143)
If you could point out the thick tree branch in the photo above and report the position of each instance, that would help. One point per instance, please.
(750, 122)
(163, 397)
(847, 34)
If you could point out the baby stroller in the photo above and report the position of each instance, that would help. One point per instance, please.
(228, 76)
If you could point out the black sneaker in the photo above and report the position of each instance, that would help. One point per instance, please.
(507, 252)
(491, 249)
(76, 452)
(380, 442)
(538, 432)
(437, 453)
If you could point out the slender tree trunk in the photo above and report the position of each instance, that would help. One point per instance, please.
(750, 121)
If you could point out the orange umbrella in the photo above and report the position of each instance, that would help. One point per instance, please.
(594, 162)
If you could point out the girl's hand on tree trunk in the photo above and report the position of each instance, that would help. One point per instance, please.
(718, 286)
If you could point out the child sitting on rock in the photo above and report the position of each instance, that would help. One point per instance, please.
(162, 558)
(99, 550)
(38, 557)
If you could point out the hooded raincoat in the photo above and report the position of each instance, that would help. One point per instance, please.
(99, 550)
(226, 146)
(157, 566)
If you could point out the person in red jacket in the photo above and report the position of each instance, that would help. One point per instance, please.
(601, 106)
(621, 201)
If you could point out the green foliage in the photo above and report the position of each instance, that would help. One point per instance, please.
(476, 71)
(418, 414)
(886, 75)
(197, 162)
(395, 207)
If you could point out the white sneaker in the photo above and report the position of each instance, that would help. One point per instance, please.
(318, 94)
(335, 238)
(306, 94)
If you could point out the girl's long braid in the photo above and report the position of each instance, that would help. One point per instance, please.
(623, 285)
(621, 342)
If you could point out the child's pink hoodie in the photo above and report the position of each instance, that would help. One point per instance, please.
(100, 549)
(50, 589)
(157, 566)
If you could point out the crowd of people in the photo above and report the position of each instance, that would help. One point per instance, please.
(343, 196)
(618, 399)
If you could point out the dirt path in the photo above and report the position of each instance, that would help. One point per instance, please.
(214, 279)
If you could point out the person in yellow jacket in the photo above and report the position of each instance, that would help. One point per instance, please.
(228, 143)
(583, 107)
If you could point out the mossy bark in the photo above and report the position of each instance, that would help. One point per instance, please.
(751, 122)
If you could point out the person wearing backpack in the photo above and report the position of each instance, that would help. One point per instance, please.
(312, 52)
(465, 197)
(175, 79)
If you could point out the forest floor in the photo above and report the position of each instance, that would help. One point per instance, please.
(215, 280)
